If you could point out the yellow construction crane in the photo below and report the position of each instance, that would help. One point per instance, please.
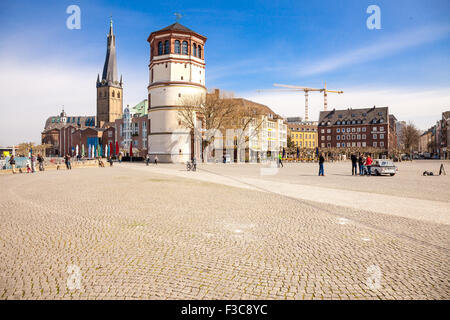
(306, 90)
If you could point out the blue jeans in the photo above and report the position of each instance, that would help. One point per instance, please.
(362, 170)
(320, 169)
(369, 170)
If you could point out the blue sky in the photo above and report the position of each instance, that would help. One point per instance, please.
(250, 46)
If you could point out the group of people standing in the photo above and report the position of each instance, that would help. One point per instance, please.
(364, 163)
(30, 165)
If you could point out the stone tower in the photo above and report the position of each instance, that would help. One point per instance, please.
(109, 87)
(177, 70)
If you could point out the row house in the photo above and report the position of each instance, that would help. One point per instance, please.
(355, 128)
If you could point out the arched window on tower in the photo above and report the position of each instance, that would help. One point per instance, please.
(160, 48)
(177, 47)
(118, 94)
(195, 50)
(112, 94)
(200, 51)
(185, 47)
(166, 47)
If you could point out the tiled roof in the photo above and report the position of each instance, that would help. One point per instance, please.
(176, 27)
(354, 116)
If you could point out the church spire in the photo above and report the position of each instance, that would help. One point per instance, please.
(109, 74)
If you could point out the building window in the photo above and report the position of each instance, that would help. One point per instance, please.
(329, 138)
(374, 143)
(195, 50)
(381, 136)
(338, 130)
(348, 129)
(381, 128)
(112, 94)
(358, 137)
(322, 131)
(185, 47)
(338, 137)
(353, 144)
(374, 135)
(200, 51)
(343, 137)
(118, 94)
(358, 129)
(364, 136)
(381, 144)
(322, 138)
(160, 48)
(177, 47)
(166, 47)
(353, 129)
(364, 144)
(109, 134)
(323, 145)
(364, 129)
(328, 145)
(374, 128)
(343, 144)
(328, 130)
(353, 137)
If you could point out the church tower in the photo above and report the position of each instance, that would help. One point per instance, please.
(176, 72)
(109, 88)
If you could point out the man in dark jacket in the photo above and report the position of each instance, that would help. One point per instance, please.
(12, 162)
(354, 160)
(321, 161)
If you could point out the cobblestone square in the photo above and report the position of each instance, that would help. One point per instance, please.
(224, 232)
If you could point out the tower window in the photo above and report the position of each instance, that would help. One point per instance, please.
(195, 50)
(118, 94)
(160, 48)
(166, 47)
(113, 94)
(177, 46)
(179, 95)
(199, 51)
(181, 77)
(185, 47)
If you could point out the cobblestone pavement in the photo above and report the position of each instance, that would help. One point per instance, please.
(138, 234)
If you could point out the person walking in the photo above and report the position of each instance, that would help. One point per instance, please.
(369, 165)
(194, 164)
(156, 159)
(110, 161)
(40, 159)
(12, 162)
(280, 162)
(67, 161)
(354, 161)
(33, 163)
(120, 157)
(321, 161)
(147, 159)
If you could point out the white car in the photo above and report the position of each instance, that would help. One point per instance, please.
(383, 166)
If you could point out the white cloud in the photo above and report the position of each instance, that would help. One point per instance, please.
(377, 50)
(423, 107)
(32, 92)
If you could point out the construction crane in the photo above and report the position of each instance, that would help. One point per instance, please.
(306, 90)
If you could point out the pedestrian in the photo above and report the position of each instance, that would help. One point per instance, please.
(369, 165)
(33, 163)
(280, 163)
(194, 164)
(67, 161)
(12, 162)
(120, 157)
(354, 161)
(360, 164)
(147, 159)
(156, 159)
(110, 161)
(28, 166)
(40, 159)
(321, 161)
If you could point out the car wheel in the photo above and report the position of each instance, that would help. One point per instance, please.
(377, 173)
(392, 174)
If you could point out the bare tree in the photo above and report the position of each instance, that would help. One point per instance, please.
(410, 136)
(212, 110)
